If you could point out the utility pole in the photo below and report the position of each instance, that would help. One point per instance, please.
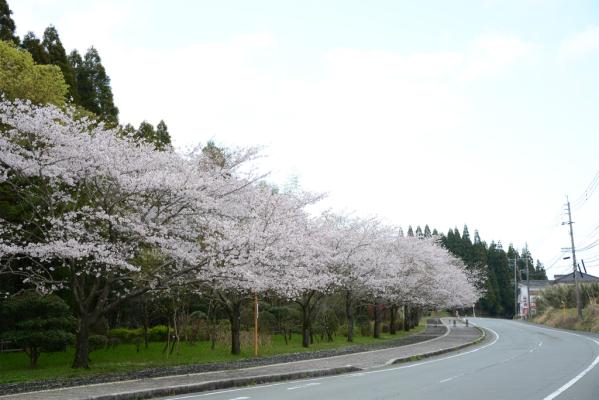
(515, 287)
(578, 302)
(527, 283)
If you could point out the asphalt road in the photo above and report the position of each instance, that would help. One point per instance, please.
(517, 361)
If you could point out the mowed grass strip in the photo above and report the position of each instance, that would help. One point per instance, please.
(14, 367)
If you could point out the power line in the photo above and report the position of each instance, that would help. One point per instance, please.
(586, 195)
(589, 246)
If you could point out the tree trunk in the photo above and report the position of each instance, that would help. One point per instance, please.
(168, 338)
(33, 354)
(145, 320)
(349, 314)
(414, 317)
(377, 320)
(235, 320)
(82, 344)
(306, 328)
(406, 318)
(393, 320)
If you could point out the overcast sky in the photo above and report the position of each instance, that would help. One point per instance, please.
(422, 112)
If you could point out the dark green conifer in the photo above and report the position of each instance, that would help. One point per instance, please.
(93, 85)
(427, 231)
(163, 138)
(419, 231)
(58, 56)
(7, 25)
(34, 46)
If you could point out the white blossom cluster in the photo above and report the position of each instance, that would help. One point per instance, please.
(102, 207)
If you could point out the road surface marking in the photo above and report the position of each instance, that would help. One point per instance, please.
(343, 375)
(572, 381)
(303, 386)
(450, 378)
(438, 359)
(241, 398)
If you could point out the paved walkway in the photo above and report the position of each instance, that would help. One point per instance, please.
(455, 337)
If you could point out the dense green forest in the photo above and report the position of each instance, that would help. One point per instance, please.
(497, 265)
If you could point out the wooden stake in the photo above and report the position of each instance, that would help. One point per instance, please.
(256, 325)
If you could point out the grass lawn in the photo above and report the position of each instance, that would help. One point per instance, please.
(14, 367)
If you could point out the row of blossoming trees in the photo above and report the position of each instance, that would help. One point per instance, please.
(110, 219)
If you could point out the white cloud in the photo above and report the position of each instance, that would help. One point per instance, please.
(581, 43)
(492, 55)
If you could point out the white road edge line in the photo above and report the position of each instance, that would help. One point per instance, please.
(575, 379)
(572, 381)
(343, 375)
(439, 359)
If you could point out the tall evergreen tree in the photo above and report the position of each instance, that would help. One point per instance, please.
(146, 132)
(410, 231)
(58, 56)
(539, 272)
(427, 231)
(93, 85)
(419, 231)
(465, 233)
(456, 233)
(163, 138)
(476, 237)
(400, 232)
(159, 137)
(435, 232)
(34, 46)
(498, 264)
(7, 25)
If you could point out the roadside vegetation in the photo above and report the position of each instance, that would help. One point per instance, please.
(557, 307)
(124, 357)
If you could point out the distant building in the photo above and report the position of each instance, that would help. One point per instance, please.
(537, 287)
(569, 278)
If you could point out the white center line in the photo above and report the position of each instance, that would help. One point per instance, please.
(450, 378)
(303, 386)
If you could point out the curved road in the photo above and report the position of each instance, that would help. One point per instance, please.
(517, 361)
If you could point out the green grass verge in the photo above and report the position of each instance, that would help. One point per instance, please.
(14, 367)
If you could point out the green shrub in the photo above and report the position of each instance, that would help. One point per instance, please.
(37, 324)
(125, 335)
(97, 342)
(157, 333)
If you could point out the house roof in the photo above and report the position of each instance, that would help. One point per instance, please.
(569, 278)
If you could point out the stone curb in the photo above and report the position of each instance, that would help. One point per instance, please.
(42, 385)
(230, 383)
(482, 336)
(223, 384)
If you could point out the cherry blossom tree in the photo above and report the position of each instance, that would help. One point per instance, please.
(108, 218)
(251, 252)
(350, 241)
